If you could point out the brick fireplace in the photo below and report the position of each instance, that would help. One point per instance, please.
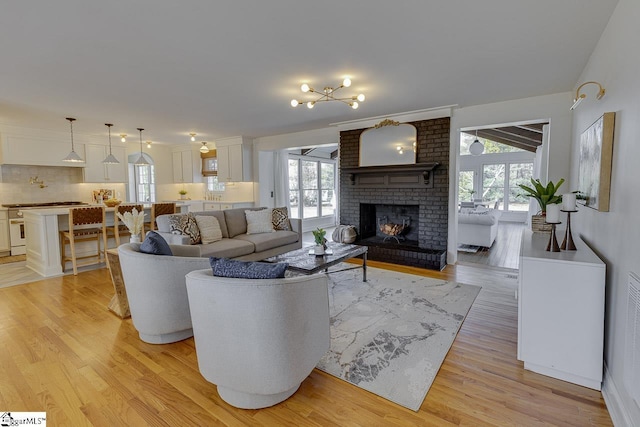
(424, 242)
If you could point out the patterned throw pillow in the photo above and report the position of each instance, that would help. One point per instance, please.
(280, 219)
(185, 225)
(223, 267)
(209, 228)
(259, 221)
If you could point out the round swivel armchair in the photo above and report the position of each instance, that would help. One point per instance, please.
(258, 339)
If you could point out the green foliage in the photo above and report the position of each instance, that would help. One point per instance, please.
(318, 235)
(544, 194)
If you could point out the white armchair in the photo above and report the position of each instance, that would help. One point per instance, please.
(157, 293)
(258, 339)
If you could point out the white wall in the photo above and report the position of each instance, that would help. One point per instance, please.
(615, 235)
(554, 108)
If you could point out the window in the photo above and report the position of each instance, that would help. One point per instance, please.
(311, 188)
(465, 186)
(500, 184)
(519, 173)
(213, 184)
(145, 183)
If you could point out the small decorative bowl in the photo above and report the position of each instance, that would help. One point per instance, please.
(112, 203)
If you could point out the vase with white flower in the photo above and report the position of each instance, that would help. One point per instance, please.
(134, 221)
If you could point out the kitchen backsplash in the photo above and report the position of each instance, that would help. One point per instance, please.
(39, 184)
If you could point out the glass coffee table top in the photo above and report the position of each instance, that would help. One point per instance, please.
(306, 262)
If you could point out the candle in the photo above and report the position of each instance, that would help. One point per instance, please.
(553, 213)
(569, 202)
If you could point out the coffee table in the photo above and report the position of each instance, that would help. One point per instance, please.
(305, 262)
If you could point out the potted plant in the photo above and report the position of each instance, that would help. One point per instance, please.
(544, 195)
(183, 194)
(321, 241)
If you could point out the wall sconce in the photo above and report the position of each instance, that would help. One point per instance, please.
(580, 96)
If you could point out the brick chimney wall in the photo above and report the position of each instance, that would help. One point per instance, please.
(432, 146)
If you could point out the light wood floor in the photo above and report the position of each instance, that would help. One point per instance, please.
(504, 253)
(66, 354)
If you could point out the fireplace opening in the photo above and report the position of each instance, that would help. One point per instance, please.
(387, 224)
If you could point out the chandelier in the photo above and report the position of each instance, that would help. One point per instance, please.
(328, 94)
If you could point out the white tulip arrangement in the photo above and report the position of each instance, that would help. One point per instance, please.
(134, 221)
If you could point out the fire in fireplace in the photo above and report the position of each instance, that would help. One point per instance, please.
(389, 224)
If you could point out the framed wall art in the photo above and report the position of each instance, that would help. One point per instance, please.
(596, 152)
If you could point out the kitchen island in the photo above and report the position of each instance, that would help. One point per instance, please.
(42, 227)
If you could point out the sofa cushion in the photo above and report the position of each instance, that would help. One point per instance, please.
(185, 225)
(155, 244)
(227, 248)
(280, 219)
(209, 228)
(223, 267)
(237, 220)
(266, 241)
(259, 221)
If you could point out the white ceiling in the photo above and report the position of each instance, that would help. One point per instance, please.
(226, 68)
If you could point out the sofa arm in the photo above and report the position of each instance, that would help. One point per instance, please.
(174, 239)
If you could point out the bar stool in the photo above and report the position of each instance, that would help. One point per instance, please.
(85, 224)
(118, 228)
(158, 209)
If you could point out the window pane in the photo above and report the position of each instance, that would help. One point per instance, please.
(310, 203)
(465, 186)
(519, 173)
(294, 204)
(309, 175)
(493, 183)
(293, 175)
(327, 179)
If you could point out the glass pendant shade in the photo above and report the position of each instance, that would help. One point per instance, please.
(204, 149)
(72, 157)
(476, 148)
(110, 159)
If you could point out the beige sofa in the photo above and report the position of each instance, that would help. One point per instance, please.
(236, 243)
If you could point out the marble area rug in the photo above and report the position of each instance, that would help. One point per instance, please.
(390, 335)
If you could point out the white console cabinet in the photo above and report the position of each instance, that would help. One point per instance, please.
(561, 311)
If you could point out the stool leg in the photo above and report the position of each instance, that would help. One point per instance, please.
(62, 252)
(72, 245)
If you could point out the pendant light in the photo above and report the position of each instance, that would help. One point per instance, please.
(72, 157)
(110, 159)
(204, 149)
(476, 148)
(141, 160)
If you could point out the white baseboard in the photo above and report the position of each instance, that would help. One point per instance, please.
(620, 416)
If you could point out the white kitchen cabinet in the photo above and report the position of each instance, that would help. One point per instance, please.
(184, 169)
(234, 159)
(218, 206)
(561, 311)
(96, 171)
(5, 241)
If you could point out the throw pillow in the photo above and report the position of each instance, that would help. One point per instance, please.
(185, 225)
(280, 219)
(223, 267)
(209, 228)
(259, 221)
(155, 244)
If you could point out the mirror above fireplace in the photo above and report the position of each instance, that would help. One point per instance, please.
(388, 143)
